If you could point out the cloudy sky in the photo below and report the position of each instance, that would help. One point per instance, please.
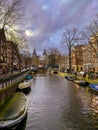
(45, 20)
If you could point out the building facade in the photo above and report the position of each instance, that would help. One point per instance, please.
(77, 58)
(3, 54)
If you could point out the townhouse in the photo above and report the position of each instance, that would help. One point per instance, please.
(10, 58)
(12, 55)
(3, 54)
(77, 58)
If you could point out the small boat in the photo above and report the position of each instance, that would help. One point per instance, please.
(81, 82)
(29, 77)
(55, 72)
(70, 78)
(13, 111)
(93, 87)
(24, 86)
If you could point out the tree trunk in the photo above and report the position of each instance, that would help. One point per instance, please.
(70, 66)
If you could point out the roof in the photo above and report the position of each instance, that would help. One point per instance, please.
(34, 52)
(44, 53)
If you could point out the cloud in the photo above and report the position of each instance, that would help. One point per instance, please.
(31, 33)
(45, 18)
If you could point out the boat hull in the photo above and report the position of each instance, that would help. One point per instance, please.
(81, 82)
(93, 87)
(69, 78)
(14, 111)
(24, 85)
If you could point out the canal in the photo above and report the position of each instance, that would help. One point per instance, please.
(57, 104)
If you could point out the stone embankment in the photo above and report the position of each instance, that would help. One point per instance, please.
(7, 91)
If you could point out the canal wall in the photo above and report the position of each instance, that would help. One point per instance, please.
(7, 91)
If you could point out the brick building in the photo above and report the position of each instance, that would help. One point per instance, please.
(77, 58)
(3, 54)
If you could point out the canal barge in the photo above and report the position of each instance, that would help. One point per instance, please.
(13, 111)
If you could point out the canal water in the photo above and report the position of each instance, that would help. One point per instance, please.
(57, 104)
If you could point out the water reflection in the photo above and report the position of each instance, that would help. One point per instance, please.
(94, 107)
(78, 109)
(22, 125)
(56, 104)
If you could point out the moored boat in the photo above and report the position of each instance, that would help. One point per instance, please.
(13, 111)
(26, 85)
(29, 77)
(93, 87)
(70, 78)
(81, 82)
(55, 72)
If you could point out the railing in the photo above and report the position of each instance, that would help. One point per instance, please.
(8, 80)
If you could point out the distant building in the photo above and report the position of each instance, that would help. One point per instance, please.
(77, 58)
(45, 57)
(39, 61)
(44, 53)
(12, 55)
(90, 56)
(35, 58)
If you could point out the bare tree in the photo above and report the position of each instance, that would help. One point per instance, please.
(27, 59)
(90, 34)
(53, 55)
(11, 12)
(70, 39)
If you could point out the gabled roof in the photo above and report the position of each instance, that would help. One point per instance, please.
(34, 52)
(44, 53)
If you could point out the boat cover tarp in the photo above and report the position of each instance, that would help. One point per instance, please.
(94, 86)
(13, 108)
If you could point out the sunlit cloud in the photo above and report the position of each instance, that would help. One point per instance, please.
(31, 33)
